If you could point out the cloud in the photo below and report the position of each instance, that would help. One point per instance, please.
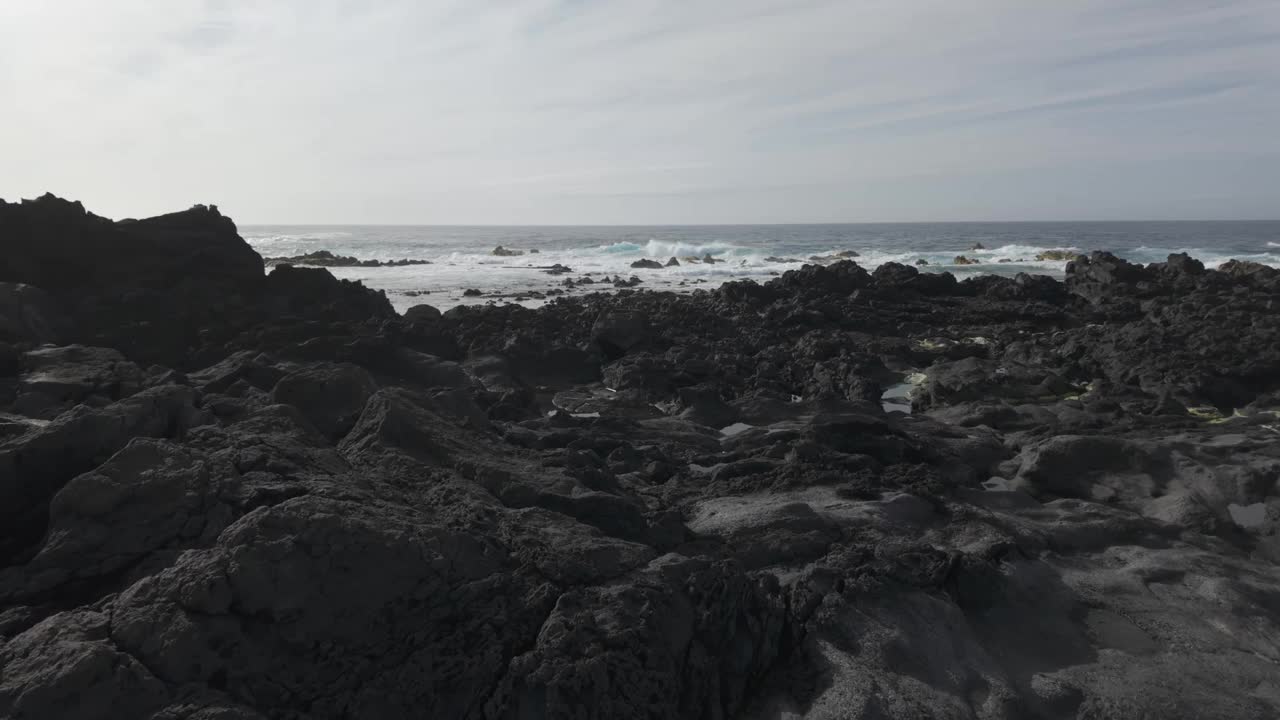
(631, 110)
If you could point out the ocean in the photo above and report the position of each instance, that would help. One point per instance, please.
(462, 257)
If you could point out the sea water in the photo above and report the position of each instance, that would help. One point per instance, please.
(461, 257)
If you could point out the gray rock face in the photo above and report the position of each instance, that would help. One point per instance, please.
(331, 397)
(55, 379)
(643, 505)
(30, 315)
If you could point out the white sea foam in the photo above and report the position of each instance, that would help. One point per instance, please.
(461, 260)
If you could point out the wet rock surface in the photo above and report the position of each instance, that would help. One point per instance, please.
(279, 499)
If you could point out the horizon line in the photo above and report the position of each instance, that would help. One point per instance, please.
(741, 224)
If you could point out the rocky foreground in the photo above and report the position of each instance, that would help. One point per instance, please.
(226, 494)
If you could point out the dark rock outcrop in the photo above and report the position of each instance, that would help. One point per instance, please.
(173, 289)
(324, 258)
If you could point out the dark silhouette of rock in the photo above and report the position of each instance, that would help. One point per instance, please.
(324, 258)
(962, 260)
(172, 289)
(647, 264)
(504, 252)
(471, 292)
(422, 313)
(673, 262)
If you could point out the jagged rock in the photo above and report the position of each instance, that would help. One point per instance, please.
(673, 262)
(504, 252)
(962, 260)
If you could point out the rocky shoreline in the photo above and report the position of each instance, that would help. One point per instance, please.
(325, 258)
(226, 493)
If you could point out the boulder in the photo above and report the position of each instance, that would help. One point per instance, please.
(673, 262)
(331, 397)
(616, 332)
(36, 464)
(1056, 255)
(647, 264)
(504, 252)
(149, 495)
(962, 260)
(422, 314)
(56, 378)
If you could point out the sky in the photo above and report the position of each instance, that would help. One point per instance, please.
(645, 111)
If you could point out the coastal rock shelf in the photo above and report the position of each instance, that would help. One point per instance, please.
(230, 494)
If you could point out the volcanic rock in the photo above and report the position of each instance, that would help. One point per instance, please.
(238, 495)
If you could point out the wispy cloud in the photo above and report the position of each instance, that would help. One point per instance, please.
(639, 110)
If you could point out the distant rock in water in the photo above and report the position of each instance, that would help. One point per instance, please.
(471, 292)
(534, 251)
(977, 246)
(962, 260)
(324, 258)
(922, 262)
(673, 262)
(558, 269)
(836, 256)
(1249, 269)
(708, 259)
(776, 259)
(1057, 255)
(647, 264)
(503, 252)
